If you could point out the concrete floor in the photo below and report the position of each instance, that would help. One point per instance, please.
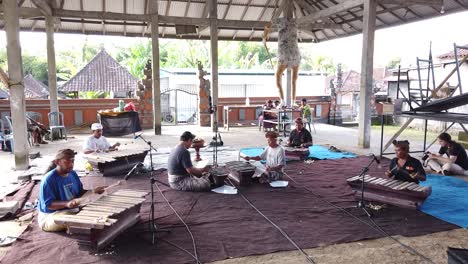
(234, 139)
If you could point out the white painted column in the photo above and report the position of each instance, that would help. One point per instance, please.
(51, 66)
(15, 71)
(155, 67)
(214, 58)
(288, 96)
(366, 73)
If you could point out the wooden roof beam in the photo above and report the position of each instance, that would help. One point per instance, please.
(103, 4)
(145, 12)
(166, 13)
(438, 3)
(242, 17)
(325, 13)
(259, 18)
(43, 6)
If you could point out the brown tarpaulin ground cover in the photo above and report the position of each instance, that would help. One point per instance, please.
(225, 226)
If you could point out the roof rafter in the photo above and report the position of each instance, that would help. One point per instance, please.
(43, 6)
(242, 17)
(325, 13)
(103, 3)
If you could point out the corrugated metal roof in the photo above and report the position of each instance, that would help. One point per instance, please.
(102, 73)
(78, 20)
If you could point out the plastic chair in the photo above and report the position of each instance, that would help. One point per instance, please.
(4, 137)
(35, 116)
(56, 123)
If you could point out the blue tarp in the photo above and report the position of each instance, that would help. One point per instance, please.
(448, 200)
(316, 152)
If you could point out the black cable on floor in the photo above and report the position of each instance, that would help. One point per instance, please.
(375, 226)
(195, 255)
(276, 226)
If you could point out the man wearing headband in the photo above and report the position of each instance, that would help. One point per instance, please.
(97, 142)
(59, 191)
(275, 160)
(300, 137)
(182, 175)
(404, 167)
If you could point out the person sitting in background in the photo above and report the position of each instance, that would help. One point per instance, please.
(59, 191)
(456, 161)
(182, 175)
(268, 115)
(404, 167)
(97, 142)
(38, 131)
(300, 137)
(278, 104)
(275, 159)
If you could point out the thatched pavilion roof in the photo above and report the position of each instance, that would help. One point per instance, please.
(103, 73)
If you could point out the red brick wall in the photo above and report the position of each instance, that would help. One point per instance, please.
(68, 107)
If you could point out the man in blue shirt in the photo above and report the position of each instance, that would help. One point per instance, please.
(59, 191)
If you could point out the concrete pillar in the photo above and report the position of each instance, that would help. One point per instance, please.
(288, 96)
(15, 71)
(155, 67)
(366, 73)
(52, 70)
(214, 59)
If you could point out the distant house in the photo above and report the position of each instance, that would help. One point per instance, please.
(349, 92)
(33, 89)
(103, 73)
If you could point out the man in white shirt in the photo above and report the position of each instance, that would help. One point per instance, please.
(275, 159)
(97, 142)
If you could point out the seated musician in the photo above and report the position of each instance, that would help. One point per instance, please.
(38, 131)
(59, 190)
(97, 142)
(275, 159)
(182, 175)
(455, 163)
(300, 137)
(404, 167)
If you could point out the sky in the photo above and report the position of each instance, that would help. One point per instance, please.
(406, 42)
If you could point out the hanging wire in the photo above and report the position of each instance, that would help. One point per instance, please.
(195, 255)
(307, 257)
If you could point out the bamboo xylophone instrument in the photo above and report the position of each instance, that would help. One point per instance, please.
(116, 162)
(241, 172)
(99, 222)
(385, 190)
(296, 153)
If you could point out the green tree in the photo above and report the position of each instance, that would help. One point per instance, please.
(393, 63)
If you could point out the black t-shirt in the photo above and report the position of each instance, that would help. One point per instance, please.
(178, 161)
(455, 149)
(298, 138)
(411, 166)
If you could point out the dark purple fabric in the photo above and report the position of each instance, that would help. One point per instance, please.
(225, 226)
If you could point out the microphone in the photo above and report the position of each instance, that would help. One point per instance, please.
(210, 101)
(137, 136)
(135, 168)
(377, 161)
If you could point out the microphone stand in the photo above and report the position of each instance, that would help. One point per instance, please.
(362, 204)
(153, 180)
(213, 110)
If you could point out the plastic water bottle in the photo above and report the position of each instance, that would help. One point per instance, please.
(121, 105)
(247, 101)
